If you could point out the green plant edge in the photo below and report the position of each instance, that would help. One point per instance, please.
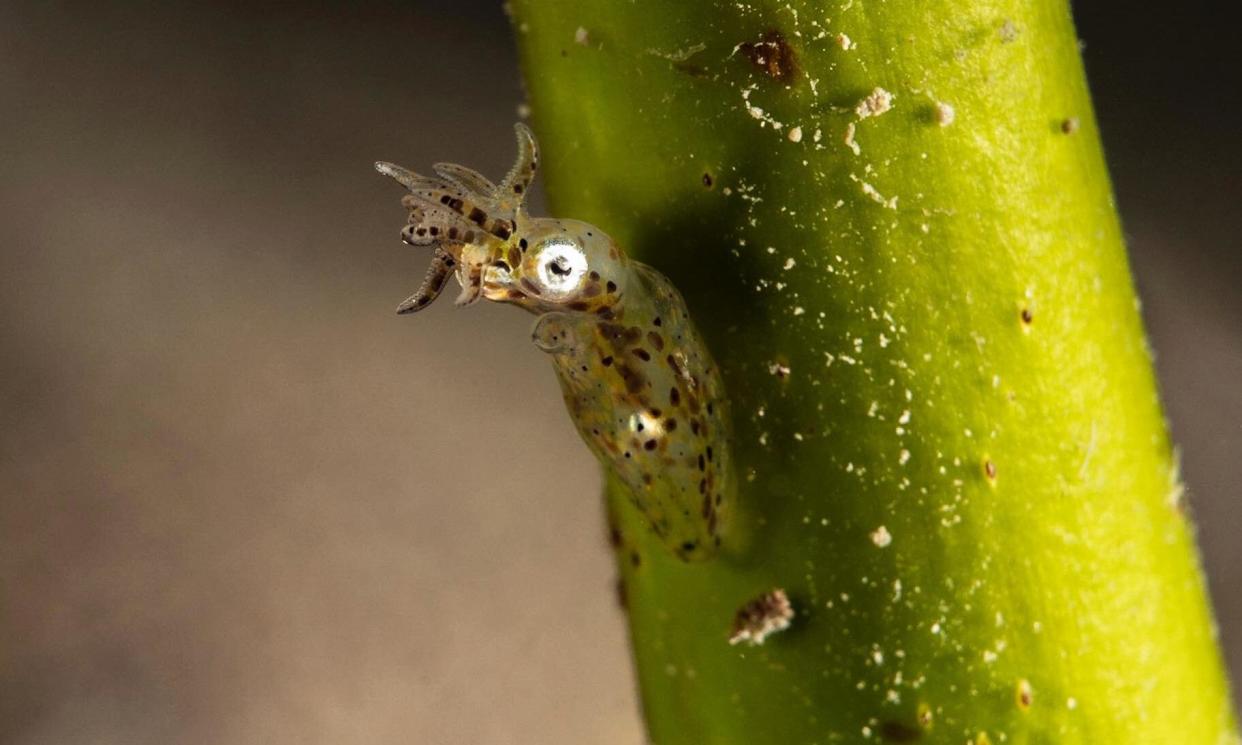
(951, 452)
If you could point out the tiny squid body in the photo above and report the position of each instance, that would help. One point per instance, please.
(639, 382)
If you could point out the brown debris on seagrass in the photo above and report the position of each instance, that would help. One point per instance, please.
(761, 617)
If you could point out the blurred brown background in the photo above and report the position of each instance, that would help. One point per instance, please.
(241, 501)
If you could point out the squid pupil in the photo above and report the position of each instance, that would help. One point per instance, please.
(557, 267)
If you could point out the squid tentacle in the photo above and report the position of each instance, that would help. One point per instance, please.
(512, 190)
(468, 179)
(438, 272)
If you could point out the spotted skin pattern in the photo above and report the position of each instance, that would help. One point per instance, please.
(640, 385)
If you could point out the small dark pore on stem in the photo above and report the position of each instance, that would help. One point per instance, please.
(1023, 695)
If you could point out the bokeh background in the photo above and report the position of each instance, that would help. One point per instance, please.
(241, 501)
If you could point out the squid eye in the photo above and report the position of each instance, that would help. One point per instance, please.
(560, 268)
